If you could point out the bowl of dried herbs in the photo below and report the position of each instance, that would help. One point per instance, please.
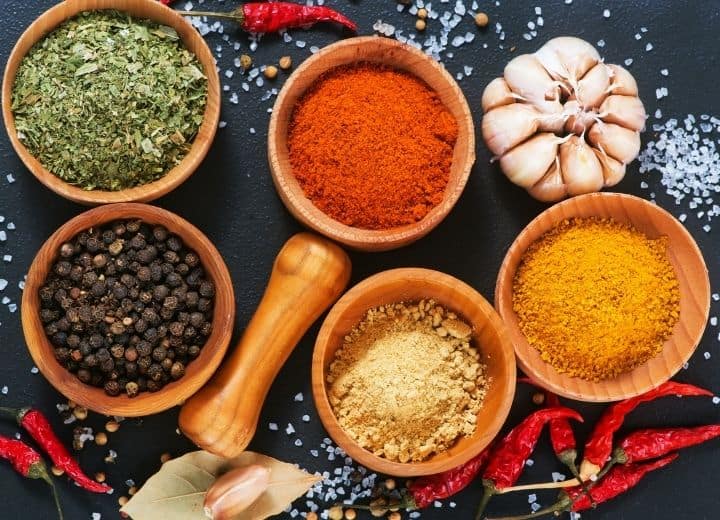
(111, 100)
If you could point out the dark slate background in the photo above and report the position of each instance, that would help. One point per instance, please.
(231, 198)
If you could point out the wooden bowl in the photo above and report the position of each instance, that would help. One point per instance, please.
(197, 372)
(399, 56)
(690, 269)
(489, 335)
(149, 9)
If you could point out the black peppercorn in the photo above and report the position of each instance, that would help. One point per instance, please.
(191, 259)
(173, 279)
(182, 269)
(166, 364)
(160, 233)
(151, 335)
(117, 351)
(62, 268)
(153, 386)
(207, 289)
(194, 351)
(147, 255)
(91, 360)
(93, 244)
(112, 388)
(159, 353)
(131, 354)
(174, 243)
(62, 354)
(84, 375)
(67, 250)
(160, 292)
(144, 274)
(155, 372)
(171, 256)
(177, 370)
(144, 363)
(176, 328)
(138, 242)
(204, 304)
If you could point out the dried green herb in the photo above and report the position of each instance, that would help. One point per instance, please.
(109, 102)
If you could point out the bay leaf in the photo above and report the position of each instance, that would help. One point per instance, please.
(178, 490)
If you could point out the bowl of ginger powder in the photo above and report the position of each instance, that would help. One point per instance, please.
(413, 372)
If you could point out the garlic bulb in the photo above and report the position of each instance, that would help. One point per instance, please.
(561, 121)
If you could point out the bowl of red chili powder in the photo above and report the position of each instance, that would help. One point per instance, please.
(371, 143)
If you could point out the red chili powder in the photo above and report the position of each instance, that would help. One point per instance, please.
(372, 146)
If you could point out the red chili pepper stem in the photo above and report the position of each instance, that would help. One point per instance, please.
(489, 491)
(562, 505)
(16, 414)
(39, 471)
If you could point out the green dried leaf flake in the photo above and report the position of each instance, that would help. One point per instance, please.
(109, 102)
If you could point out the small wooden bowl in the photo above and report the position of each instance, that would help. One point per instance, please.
(690, 269)
(149, 9)
(399, 56)
(197, 372)
(489, 335)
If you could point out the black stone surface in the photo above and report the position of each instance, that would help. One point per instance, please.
(231, 198)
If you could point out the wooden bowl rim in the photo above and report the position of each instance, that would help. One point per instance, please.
(441, 462)
(357, 238)
(504, 307)
(198, 372)
(146, 192)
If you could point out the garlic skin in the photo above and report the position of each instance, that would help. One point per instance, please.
(235, 491)
(561, 121)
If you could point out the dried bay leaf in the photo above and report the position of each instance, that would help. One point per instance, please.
(178, 490)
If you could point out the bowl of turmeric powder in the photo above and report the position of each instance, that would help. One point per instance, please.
(371, 143)
(605, 296)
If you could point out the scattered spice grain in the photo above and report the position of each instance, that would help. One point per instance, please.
(596, 298)
(406, 383)
(372, 146)
(285, 63)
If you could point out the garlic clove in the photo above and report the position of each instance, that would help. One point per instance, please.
(577, 120)
(527, 78)
(507, 126)
(592, 88)
(235, 491)
(627, 111)
(551, 187)
(525, 164)
(613, 171)
(496, 94)
(580, 168)
(622, 82)
(618, 142)
(568, 57)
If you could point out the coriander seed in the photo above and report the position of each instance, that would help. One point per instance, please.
(270, 72)
(165, 457)
(112, 426)
(482, 20)
(101, 438)
(335, 513)
(123, 500)
(422, 13)
(350, 514)
(57, 471)
(420, 24)
(538, 398)
(100, 477)
(311, 516)
(285, 63)
(245, 61)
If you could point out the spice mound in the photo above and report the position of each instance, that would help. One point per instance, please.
(596, 298)
(406, 383)
(372, 146)
(127, 307)
(109, 102)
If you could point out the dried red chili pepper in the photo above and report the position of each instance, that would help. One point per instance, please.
(507, 461)
(562, 436)
(598, 448)
(619, 480)
(425, 490)
(653, 443)
(265, 17)
(35, 423)
(28, 463)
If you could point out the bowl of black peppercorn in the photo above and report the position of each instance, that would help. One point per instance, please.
(128, 309)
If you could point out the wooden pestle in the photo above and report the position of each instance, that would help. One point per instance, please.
(308, 275)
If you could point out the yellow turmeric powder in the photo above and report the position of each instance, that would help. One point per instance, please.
(596, 298)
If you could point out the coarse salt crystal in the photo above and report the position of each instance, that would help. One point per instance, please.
(10, 178)
(4, 390)
(532, 498)
(306, 418)
(3, 284)
(273, 427)
(664, 72)
(648, 47)
(714, 321)
(628, 62)
(96, 516)
(706, 355)
(558, 477)
(606, 13)
(298, 443)
(529, 462)
(298, 397)
(535, 506)
(290, 429)
(716, 400)
(601, 43)
(34, 370)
